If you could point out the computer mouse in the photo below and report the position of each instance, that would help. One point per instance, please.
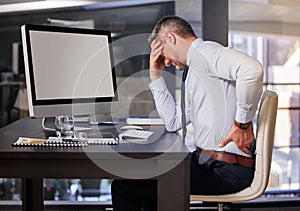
(130, 127)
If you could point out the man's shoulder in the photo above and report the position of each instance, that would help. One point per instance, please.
(211, 44)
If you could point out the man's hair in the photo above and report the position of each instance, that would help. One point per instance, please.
(174, 24)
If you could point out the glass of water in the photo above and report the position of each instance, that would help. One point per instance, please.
(64, 126)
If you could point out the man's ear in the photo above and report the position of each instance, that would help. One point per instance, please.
(170, 38)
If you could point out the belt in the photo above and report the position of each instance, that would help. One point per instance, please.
(229, 158)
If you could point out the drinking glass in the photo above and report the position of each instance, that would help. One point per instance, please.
(64, 126)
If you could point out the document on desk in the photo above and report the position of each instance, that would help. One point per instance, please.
(63, 142)
(35, 142)
(144, 121)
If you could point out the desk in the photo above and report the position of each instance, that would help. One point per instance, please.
(164, 158)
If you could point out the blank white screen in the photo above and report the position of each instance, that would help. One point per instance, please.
(71, 66)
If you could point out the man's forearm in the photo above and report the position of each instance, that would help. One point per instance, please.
(165, 105)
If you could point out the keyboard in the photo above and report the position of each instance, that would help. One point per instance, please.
(132, 133)
(81, 118)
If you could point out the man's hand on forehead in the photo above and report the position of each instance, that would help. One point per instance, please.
(156, 47)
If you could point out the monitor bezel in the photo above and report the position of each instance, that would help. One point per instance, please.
(76, 104)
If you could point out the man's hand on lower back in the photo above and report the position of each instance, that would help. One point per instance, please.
(242, 138)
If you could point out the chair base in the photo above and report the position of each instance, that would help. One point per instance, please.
(212, 206)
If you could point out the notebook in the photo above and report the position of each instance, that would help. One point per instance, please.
(62, 142)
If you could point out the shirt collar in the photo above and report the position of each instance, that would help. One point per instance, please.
(193, 46)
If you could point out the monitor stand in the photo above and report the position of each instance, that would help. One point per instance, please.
(96, 119)
(48, 123)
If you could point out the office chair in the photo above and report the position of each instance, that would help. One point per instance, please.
(266, 120)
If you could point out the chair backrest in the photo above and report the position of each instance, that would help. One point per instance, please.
(266, 121)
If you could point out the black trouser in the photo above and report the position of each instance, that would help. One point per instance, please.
(208, 177)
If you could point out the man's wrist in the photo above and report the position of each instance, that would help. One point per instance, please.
(155, 74)
(243, 126)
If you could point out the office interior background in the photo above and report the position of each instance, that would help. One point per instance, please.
(268, 30)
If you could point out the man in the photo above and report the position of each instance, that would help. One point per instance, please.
(222, 91)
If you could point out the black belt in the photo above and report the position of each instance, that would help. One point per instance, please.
(229, 158)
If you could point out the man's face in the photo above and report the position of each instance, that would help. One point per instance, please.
(170, 51)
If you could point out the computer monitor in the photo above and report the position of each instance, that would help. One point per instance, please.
(68, 71)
